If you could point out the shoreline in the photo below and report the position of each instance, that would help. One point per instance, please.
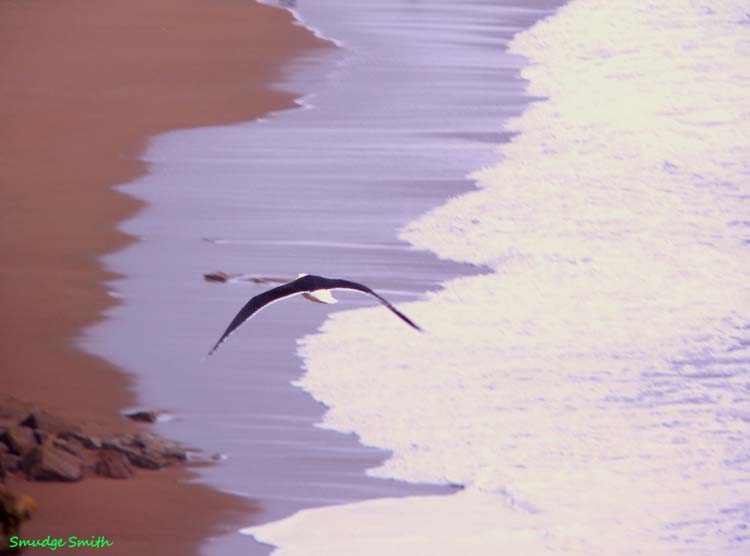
(320, 190)
(77, 110)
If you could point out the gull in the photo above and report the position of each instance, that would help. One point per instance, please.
(314, 288)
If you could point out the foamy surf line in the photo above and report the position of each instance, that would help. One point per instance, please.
(591, 393)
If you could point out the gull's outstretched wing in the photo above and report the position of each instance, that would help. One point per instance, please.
(349, 285)
(256, 304)
(304, 284)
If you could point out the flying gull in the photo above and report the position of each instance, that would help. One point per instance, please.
(314, 288)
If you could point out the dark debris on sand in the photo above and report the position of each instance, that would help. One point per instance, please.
(222, 277)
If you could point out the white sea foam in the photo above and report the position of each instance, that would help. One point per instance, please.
(591, 392)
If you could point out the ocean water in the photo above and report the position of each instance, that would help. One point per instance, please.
(590, 391)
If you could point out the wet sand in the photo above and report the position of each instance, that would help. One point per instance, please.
(84, 84)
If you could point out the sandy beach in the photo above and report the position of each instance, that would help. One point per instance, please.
(84, 85)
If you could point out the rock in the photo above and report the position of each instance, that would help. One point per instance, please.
(143, 416)
(41, 420)
(135, 455)
(113, 464)
(72, 446)
(19, 440)
(48, 463)
(11, 462)
(90, 442)
(147, 450)
(155, 444)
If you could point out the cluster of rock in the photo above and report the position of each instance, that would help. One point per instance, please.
(43, 447)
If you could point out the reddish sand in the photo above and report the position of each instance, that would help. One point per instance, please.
(83, 84)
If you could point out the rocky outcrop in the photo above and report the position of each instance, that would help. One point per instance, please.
(40, 446)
